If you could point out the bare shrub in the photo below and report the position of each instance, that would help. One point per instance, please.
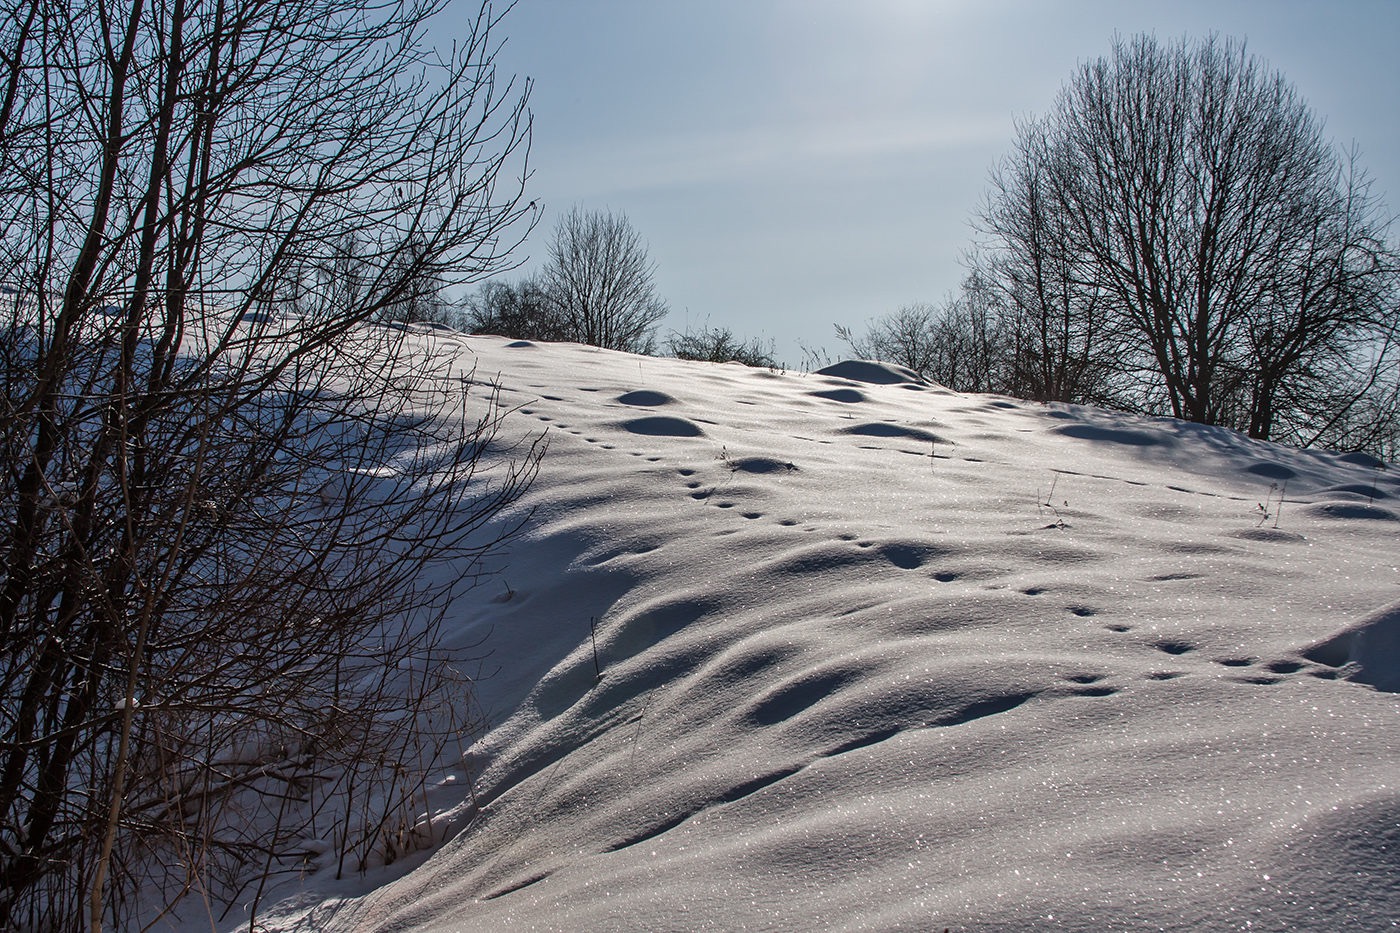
(234, 512)
(521, 311)
(964, 343)
(719, 345)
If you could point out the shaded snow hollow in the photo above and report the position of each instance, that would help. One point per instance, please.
(877, 655)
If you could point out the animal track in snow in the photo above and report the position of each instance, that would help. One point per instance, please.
(1089, 685)
(911, 555)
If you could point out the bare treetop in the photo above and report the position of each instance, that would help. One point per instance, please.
(602, 282)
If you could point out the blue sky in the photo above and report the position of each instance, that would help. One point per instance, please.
(795, 164)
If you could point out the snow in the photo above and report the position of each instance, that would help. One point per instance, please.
(878, 655)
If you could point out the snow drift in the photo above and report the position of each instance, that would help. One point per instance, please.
(846, 650)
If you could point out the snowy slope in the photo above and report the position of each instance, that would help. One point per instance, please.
(877, 655)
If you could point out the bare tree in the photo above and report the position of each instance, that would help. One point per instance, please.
(423, 301)
(232, 512)
(1065, 343)
(983, 337)
(601, 282)
(1179, 228)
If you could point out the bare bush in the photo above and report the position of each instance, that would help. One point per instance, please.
(719, 345)
(521, 311)
(234, 512)
(907, 338)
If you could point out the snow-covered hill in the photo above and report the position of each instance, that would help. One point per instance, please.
(877, 655)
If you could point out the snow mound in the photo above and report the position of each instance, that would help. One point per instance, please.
(872, 372)
(888, 430)
(645, 398)
(1360, 511)
(849, 396)
(1367, 652)
(663, 426)
(763, 465)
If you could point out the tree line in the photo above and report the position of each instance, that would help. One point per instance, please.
(597, 286)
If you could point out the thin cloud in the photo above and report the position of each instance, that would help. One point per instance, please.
(758, 153)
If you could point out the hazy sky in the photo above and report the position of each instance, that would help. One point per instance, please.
(795, 164)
